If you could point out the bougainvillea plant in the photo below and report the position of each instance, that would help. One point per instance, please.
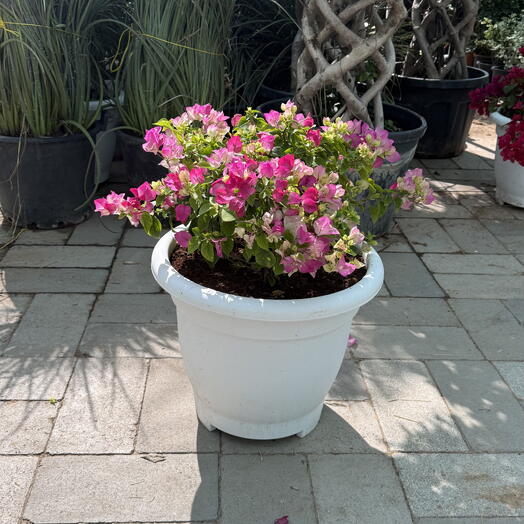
(505, 94)
(267, 191)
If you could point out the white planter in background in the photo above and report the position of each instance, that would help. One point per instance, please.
(259, 368)
(509, 175)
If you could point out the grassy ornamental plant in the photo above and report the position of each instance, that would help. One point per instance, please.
(268, 191)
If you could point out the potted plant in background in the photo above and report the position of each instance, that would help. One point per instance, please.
(344, 59)
(503, 101)
(173, 54)
(268, 266)
(46, 127)
(434, 79)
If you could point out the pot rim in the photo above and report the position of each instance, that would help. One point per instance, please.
(93, 130)
(481, 78)
(499, 118)
(262, 309)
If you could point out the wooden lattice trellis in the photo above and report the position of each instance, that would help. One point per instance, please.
(337, 37)
(441, 32)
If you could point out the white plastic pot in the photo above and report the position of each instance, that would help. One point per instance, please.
(509, 175)
(261, 368)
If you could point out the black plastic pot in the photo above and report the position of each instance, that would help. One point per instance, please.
(45, 183)
(413, 126)
(445, 106)
(498, 71)
(140, 165)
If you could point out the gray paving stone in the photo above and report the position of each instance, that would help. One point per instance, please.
(349, 384)
(122, 488)
(482, 286)
(357, 489)
(443, 207)
(509, 232)
(488, 414)
(393, 244)
(344, 427)
(469, 160)
(472, 236)
(427, 236)
(255, 490)
(493, 328)
(410, 409)
(458, 485)
(479, 176)
(406, 276)
(49, 237)
(438, 163)
(52, 280)
(51, 327)
(516, 306)
(34, 378)
(472, 520)
(13, 493)
(455, 189)
(406, 312)
(139, 308)
(415, 342)
(131, 272)
(25, 426)
(12, 307)
(136, 237)
(168, 422)
(130, 340)
(513, 375)
(58, 256)
(100, 411)
(97, 231)
(473, 264)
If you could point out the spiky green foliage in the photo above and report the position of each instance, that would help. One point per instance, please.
(47, 65)
(172, 56)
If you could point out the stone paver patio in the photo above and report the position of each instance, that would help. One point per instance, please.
(424, 424)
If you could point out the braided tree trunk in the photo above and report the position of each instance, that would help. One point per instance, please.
(441, 32)
(338, 38)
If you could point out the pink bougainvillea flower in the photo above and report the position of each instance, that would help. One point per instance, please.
(196, 175)
(267, 141)
(311, 266)
(153, 140)
(182, 212)
(282, 520)
(234, 144)
(305, 121)
(356, 236)
(235, 119)
(183, 238)
(303, 236)
(144, 192)
(344, 267)
(218, 245)
(324, 226)
(111, 205)
(351, 341)
(272, 117)
(266, 169)
(310, 199)
(285, 165)
(315, 136)
(171, 148)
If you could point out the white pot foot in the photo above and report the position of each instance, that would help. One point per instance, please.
(207, 425)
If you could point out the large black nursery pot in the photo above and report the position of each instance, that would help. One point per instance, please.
(412, 127)
(445, 106)
(46, 183)
(140, 165)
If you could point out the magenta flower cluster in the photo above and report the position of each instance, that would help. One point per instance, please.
(269, 191)
(505, 94)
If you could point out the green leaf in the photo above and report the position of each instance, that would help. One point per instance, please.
(204, 208)
(227, 246)
(208, 251)
(247, 254)
(152, 226)
(226, 216)
(227, 228)
(262, 242)
(264, 258)
(193, 245)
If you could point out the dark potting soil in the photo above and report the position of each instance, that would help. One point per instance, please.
(246, 282)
